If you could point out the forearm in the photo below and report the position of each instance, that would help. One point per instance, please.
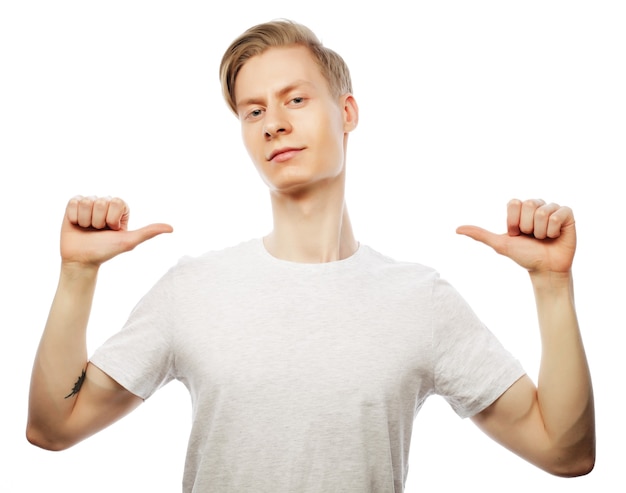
(62, 354)
(565, 393)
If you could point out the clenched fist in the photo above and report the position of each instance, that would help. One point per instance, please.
(540, 237)
(95, 229)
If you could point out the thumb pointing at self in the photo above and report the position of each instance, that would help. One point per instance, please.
(479, 234)
(138, 236)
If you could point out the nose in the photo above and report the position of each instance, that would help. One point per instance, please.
(275, 123)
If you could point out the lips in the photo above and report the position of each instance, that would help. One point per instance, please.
(283, 154)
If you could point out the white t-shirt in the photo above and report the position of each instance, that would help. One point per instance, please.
(305, 377)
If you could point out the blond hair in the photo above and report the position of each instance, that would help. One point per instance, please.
(277, 33)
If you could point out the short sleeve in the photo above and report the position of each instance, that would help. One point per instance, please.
(471, 367)
(140, 356)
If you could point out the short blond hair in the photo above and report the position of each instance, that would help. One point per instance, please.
(277, 33)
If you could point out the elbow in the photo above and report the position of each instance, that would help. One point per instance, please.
(39, 441)
(587, 466)
(579, 464)
(581, 467)
(576, 454)
(39, 438)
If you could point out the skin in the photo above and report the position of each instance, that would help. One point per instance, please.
(551, 425)
(285, 106)
(284, 103)
(93, 231)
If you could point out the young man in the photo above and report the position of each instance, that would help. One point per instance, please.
(307, 354)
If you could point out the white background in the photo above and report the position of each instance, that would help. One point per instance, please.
(463, 106)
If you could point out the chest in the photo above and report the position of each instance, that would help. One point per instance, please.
(360, 347)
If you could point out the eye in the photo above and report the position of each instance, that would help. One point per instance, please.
(253, 114)
(298, 100)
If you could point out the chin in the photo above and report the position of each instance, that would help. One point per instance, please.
(292, 188)
(288, 181)
(296, 180)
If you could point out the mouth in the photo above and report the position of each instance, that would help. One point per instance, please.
(284, 154)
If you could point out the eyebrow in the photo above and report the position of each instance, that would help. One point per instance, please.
(285, 90)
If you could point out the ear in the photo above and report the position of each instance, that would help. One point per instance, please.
(350, 112)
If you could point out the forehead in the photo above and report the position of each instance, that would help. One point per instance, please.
(276, 68)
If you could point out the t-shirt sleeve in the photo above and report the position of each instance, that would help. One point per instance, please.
(471, 367)
(140, 357)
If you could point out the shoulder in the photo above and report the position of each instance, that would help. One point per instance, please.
(398, 268)
(211, 267)
(230, 255)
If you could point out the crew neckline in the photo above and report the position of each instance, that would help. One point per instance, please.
(260, 247)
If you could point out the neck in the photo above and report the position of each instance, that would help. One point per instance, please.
(312, 226)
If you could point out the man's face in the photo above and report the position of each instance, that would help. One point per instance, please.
(293, 128)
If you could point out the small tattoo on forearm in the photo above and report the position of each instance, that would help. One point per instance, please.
(77, 385)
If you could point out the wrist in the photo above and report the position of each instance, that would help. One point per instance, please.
(76, 271)
(545, 282)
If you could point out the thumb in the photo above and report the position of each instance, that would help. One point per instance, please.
(480, 234)
(138, 236)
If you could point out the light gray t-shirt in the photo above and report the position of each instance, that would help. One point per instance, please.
(305, 377)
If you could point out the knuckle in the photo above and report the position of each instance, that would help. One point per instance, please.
(514, 203)
(101, 200)
(533, 203)
(117, 205)
(85, 201)
(554, 219)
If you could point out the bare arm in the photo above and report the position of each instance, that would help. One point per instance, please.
(69, 398)
(551, 425)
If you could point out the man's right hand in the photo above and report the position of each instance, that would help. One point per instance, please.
(95, 229)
